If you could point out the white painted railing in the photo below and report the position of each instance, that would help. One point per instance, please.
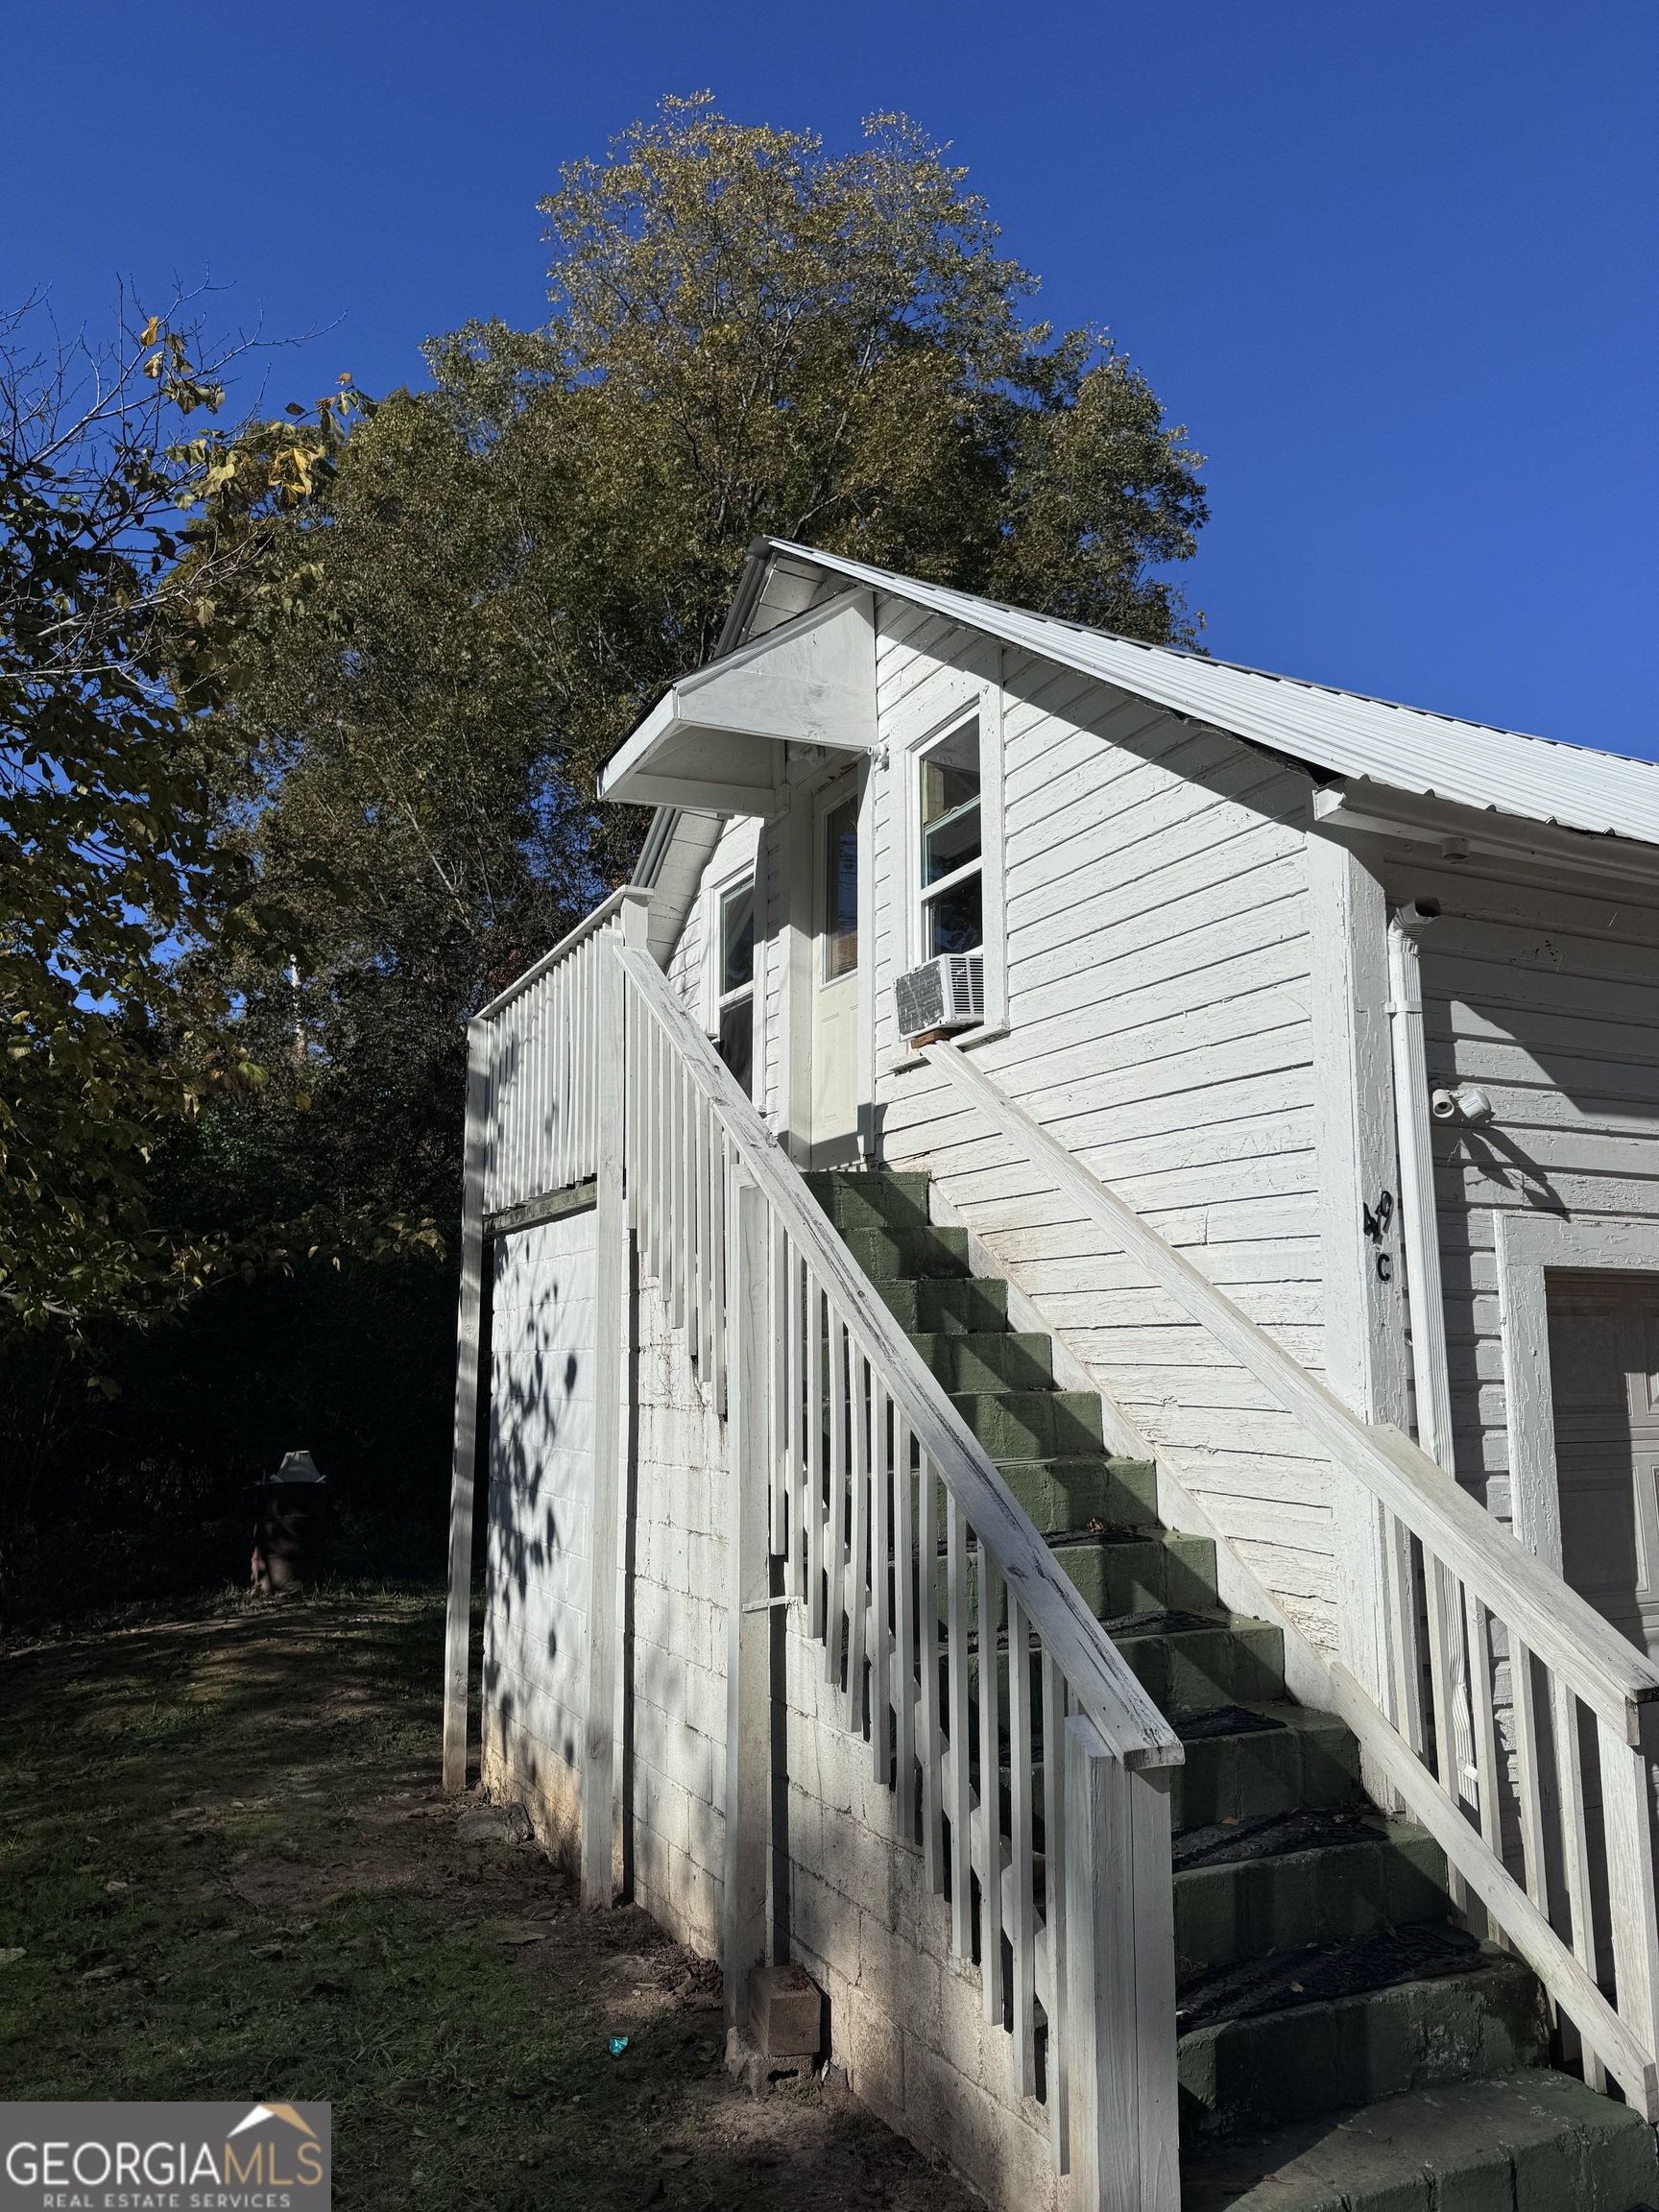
(541, 1049)
(1459, 1582)
(852, 1467)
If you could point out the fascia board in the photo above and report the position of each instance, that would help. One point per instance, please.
(1362, 807)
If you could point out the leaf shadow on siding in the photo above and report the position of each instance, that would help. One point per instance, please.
(538, 1384)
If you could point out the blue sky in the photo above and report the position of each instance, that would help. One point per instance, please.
(1394, 265)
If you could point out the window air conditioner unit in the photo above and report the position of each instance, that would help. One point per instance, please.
(945, 993)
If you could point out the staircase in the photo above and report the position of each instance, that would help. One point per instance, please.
(1344, 2044)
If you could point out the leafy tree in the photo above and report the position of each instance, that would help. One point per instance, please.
(116, 864)
(107, 852)
(502, 573)
(829, 348)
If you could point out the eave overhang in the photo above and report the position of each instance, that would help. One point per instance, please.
(1359, 807)
(718, 742)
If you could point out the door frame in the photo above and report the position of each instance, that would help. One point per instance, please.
(804, 823)
(1528, 1247)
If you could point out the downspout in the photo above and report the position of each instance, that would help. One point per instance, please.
(1426, 1305)
(1406, 928)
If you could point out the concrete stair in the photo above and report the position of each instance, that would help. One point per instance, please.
(1344, 2044)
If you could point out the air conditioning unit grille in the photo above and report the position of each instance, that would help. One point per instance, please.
(945, 993)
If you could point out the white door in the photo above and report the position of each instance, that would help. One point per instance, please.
(1604, 1380)
(833, 1079)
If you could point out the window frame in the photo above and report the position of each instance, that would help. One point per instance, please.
(928, 894)
(717, 1002)
(984, 701)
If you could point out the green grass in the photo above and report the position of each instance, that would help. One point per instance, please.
(229, 1873)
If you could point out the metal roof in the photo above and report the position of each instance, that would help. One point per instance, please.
(1437, 755)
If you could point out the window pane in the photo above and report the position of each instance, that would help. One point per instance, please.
(841, 890)
(736, 1045)
(951, 803)
(954, 918)
(737, 938)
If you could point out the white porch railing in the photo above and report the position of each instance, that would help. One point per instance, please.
(851, 1465)
(1455, 1576)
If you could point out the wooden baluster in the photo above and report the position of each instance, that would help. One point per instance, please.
(1023, 1928)
(990, 1786)
(1575, 1848)
(672, 1253)
(688, 1210)
(1402, 1647)
(512, 1094)
(835, 1529)
(882, 1570)
(1442, 1613)
(812, 1441)
(721, 1161)
(702, 1234)
(643, 1030)
(928, 1600)
(589, 958)
(1485, 1731)
(1627, 1798)
(565, 1158)
(663, 1226)
(785, 1525)
(903, 1629)
(1528, 1778)
(959, 1783)
(541, 1165)
(861, 1415)
(576, 1075)
(662, 1209)
(1054, 1906)
(534, 1075)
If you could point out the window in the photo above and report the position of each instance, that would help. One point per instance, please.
(735, 975)
(841, 890)
(952, 867)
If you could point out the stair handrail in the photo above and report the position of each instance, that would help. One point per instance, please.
(1541, 1613)
(1103, 1684)
(1607, 1671)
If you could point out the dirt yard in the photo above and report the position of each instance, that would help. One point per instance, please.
(226, 1871)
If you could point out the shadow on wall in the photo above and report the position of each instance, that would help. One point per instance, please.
(540, 1439)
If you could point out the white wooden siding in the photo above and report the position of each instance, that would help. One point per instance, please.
(1548, 999)
(539, 1505)
(1159, 1007)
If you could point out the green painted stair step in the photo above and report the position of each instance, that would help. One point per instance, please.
(1251, 1763)
(924, 1306)
(1117, 1576)
(922, 1254)
(1068, 1495)
(1245, 1760)
(1534, 2141)
(1032, 1423)
(864, 1201)
(1279, 1883)
(990, 1359)
(1280, 2039)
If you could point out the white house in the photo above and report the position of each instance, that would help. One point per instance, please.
(1237, 1307)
